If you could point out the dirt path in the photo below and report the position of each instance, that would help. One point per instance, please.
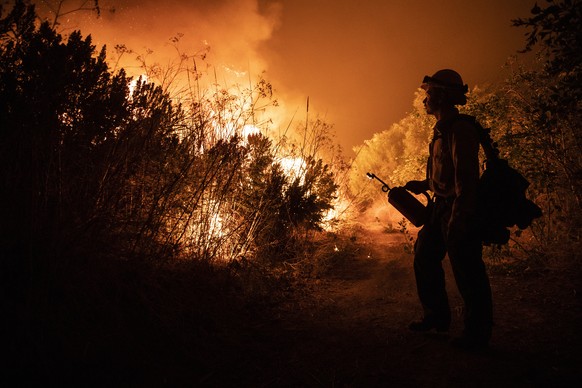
(346, 328)
(349, 329)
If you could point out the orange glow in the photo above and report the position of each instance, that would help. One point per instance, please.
(293, 166)
(360, 62)
(134, 81)
(340, 212)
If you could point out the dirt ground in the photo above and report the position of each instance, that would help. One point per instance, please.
(349, 329)
(346, 327)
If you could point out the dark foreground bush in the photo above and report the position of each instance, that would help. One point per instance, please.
(102, 322)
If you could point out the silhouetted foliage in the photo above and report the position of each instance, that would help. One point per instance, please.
(398, 154)
(92, 164)
(534, 116)
(549, 113)
(59, 114)
(555, 29)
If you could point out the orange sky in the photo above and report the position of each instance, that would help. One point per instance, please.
(359, 61)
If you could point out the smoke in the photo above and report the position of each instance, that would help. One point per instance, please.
(226, 33)
(359, 62)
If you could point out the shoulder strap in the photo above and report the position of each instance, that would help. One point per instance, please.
(484, 134)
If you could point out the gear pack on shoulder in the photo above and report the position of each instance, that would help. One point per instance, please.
(502, 201)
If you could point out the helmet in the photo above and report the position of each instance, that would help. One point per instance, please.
(451, 81)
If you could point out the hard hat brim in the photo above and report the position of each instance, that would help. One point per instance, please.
(428, 80)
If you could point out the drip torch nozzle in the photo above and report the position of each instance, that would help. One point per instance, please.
(385, 187)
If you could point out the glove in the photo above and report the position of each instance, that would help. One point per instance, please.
(417, 187)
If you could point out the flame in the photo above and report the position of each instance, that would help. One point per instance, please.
(190, 75)
(249, 130)
(292, 166)
(338, 213)
(133, 83)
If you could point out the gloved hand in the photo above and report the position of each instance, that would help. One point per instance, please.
(417, 187)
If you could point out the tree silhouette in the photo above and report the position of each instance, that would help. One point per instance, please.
(59, 113)
(90, 165)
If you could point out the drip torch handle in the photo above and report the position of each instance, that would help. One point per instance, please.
(385, 187)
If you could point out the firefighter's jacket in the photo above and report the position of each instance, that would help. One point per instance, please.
(453, 168)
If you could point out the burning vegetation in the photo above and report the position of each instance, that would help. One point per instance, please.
(124, 164)
(131, 199)
(115, 184)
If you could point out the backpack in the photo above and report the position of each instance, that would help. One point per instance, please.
(501, 198)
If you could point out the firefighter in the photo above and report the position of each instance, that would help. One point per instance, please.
(452, 175)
